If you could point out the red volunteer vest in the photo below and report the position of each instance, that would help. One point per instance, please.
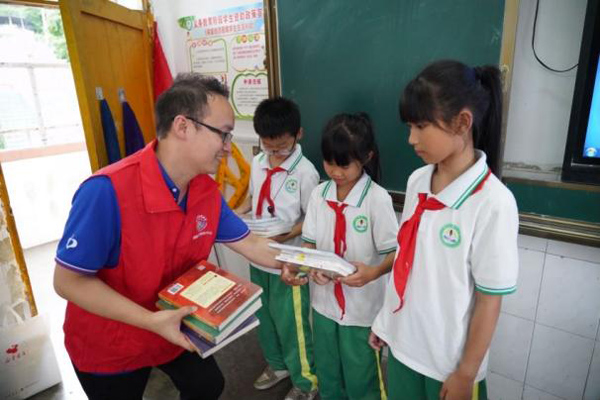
(158, 243)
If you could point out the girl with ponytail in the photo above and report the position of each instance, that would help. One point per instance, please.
(353, 216)
(457, 251)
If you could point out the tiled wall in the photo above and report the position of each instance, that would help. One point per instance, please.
(547, 344)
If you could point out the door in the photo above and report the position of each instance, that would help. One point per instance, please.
(110, 49)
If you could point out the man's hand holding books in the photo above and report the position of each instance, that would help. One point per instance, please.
(166, 323)
(292, 275)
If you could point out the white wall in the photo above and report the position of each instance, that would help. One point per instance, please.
(40, 191)
(540, 100)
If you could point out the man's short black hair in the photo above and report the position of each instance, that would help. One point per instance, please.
(187, 96)
(275, 117)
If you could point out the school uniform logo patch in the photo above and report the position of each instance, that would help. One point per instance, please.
(291, 185)
(360, 223)
(450, 235)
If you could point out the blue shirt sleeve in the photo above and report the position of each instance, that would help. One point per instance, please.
(92, 235)
(231, 227)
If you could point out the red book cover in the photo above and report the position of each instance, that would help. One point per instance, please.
(219, 295)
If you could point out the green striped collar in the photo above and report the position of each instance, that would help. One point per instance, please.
(455, 194)
(289, 164)
(357, 194)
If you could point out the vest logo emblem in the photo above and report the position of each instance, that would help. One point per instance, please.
(291, 185)
(201, 223)
(361, 223)
(450, 235)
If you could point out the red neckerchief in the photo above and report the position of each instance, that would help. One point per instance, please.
(339, 242)
(407, 239)
(265, 192)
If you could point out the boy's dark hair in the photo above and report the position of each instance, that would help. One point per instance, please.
(275, 117)
(188, 95)
(444, 88)
(348, 137)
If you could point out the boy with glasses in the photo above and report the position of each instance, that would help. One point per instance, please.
(281, 182)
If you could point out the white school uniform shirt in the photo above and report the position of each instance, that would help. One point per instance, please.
(290, 190)
(371, 229)
(469, 245)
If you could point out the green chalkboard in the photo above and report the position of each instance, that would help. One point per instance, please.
(356, 55)
(562, 202)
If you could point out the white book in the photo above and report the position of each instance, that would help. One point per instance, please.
(272, 232)
(267, 226)
(325, 261)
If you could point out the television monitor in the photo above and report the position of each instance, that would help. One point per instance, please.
(582, 153)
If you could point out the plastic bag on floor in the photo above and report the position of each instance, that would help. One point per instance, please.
(27, 364)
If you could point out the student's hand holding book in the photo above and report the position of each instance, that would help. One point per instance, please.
(375, 341)
(166, 323)
(281, 238)
(363, 275)
(319, 277)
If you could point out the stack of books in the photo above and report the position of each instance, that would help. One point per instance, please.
(326, 262)
(225, 305)
(267, 226)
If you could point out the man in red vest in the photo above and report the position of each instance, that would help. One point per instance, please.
(135, 226)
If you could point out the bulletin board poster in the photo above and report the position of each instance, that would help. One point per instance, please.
(230, 45)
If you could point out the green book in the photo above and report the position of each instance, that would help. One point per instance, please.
(208, 332)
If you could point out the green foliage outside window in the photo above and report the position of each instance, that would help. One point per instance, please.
(45, 23)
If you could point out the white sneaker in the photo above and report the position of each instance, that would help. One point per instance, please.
(297, 394)
(270, 378)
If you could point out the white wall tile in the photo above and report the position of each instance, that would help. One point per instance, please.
(530, 393)
(576, 251)
(510, 347)
(570, 296)
(592, 387)
(523, 302)
(502, 388)
(559, 362)
(532, 243)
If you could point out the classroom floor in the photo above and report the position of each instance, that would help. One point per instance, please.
(241, 361)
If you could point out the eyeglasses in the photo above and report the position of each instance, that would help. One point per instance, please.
(279, 152)
(226, 137)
